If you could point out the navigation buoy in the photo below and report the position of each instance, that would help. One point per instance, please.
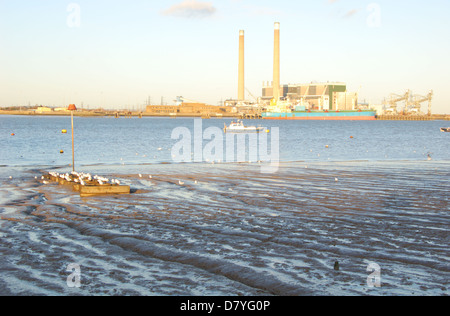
(61, 151)
(267, 131)
(12, 134)
(351, 136)
(64, 131)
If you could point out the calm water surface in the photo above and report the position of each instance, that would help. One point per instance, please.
(38, 140)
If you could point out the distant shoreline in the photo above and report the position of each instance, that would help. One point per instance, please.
(116, 114)
(434, 117)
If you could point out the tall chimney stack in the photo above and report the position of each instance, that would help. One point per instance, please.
(276, 63)
(241, 84)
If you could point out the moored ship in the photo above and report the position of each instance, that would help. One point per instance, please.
(285, 110)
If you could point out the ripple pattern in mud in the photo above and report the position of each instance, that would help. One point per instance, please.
(233, 231)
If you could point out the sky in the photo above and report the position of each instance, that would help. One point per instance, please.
(117, 54)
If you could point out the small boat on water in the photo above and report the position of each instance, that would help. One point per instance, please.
(445, 129)
(239, 127)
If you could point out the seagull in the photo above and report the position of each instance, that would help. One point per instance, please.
(150, 177)
(180, 182)
(140, 175)
(336, 179)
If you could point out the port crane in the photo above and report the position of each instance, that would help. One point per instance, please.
(251, 94)
(394, 99)
(417, 101)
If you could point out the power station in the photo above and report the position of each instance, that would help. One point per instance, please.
(308, 101)
(314, 96)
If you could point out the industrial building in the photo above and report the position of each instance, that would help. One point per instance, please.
(315, 96)
(191, 108)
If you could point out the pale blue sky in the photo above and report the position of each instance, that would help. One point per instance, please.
(125, 51)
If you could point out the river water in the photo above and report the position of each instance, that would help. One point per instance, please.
(372, 196)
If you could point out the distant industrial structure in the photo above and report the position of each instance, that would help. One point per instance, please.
(241, 79)
(186, 107)
(310, 97)
(315, 96)
(408, 104)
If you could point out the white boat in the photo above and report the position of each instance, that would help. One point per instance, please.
(445, 129)
(239, 127)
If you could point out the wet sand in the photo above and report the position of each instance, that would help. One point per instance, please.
(231, 230)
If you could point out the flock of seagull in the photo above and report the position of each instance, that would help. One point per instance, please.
(87, 178)
(84, 178)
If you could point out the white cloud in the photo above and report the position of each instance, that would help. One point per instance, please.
(351, 13)
(191, 9)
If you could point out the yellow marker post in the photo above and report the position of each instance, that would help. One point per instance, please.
(72, 108)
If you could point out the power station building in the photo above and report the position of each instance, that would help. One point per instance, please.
(314, 96)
